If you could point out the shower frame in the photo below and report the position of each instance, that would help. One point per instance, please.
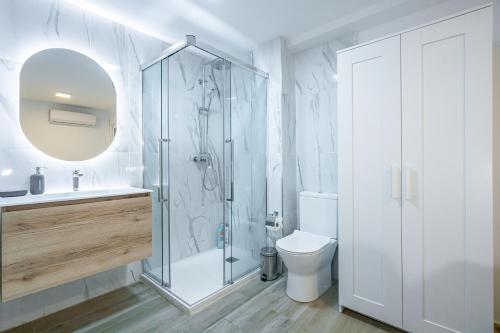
(161, 286)
(191, 40)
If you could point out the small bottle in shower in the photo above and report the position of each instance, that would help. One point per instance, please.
(220, 236)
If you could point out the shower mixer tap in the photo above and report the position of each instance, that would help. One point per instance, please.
(202, 157)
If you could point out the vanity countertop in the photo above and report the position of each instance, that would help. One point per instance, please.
(66, 196)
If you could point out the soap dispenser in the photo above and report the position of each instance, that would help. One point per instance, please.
(37, 182)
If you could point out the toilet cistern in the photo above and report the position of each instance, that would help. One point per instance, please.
(76, 180)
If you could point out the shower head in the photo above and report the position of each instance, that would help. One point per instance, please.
(217, 64)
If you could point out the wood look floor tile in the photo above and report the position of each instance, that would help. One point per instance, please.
(256, 307)
(26, 328)
(91, 310)
(223, 326)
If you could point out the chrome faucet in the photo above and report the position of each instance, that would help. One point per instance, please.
(76, 180)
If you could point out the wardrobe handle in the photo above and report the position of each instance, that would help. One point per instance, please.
(396, 182)
(409, 184)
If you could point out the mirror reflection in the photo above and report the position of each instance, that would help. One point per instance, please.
(67, 105)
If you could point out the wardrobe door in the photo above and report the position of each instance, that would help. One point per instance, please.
(447, 188)
(369, 127)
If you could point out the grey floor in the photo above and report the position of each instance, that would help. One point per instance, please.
(256, 307)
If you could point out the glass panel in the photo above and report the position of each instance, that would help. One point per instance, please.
(151, 98)
(228, 175)
(249, 135)
(164, 176)
(196, 173)
(205, 138)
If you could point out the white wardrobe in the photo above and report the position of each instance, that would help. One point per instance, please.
(415, 177)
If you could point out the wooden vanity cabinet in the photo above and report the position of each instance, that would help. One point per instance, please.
(48, 244)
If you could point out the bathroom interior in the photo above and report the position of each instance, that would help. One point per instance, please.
(249, 166)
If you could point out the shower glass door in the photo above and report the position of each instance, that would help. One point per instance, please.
(155, 177)
(196, 173)
(205, 135)
(247, 133)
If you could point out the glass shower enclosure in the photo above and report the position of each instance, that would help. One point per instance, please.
(204, 157)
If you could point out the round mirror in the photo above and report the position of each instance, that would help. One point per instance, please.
(67, 105)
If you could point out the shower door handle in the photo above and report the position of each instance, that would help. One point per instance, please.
(231, 171)
(161, 186)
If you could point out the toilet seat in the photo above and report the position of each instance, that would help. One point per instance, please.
(303, 243)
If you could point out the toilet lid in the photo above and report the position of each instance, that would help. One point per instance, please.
(303, 242)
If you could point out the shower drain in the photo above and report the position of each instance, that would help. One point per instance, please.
(232, 259)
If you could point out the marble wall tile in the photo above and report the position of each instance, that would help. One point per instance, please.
(195, 212)
(289, 143)
(268, 57)
(315, 72)
(275, 58)
(316, 116)
(29, 26)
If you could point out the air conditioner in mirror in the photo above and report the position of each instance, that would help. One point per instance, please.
(61, 117)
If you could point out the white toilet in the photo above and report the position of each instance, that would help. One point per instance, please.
(308, 252)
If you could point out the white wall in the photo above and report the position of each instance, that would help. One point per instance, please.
(29, 26)
(67, 142)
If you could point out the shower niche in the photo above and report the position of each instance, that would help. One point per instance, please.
(204, 154)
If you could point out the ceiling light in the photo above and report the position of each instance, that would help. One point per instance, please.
(63, 95)
(6, 172)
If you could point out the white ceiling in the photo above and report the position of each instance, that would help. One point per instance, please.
(240, 25)
(60, 70)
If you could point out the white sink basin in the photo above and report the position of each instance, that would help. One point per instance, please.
(65, 196)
